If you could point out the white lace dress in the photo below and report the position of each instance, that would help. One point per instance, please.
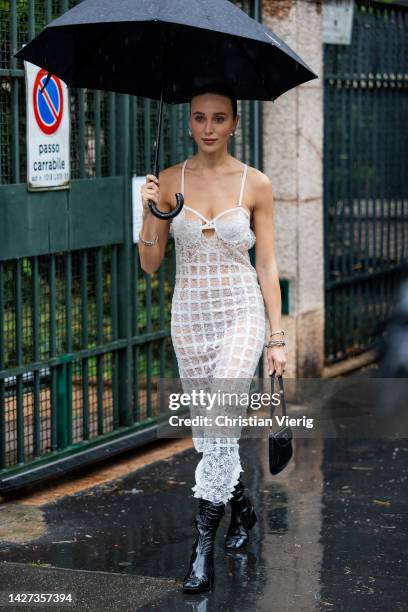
(218, 323)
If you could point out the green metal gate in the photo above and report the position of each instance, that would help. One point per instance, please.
(84, 332)
(365, 177)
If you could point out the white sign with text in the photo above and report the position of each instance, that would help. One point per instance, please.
(337, 21)
(48, 131)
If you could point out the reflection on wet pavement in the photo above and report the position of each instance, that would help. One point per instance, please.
(331, 531)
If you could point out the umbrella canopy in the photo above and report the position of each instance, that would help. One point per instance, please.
(164, 50)
(138, 47)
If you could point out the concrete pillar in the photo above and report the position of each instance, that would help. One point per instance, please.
(293, 160)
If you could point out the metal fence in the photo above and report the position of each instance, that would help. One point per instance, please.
(84, 332)
(365, 170)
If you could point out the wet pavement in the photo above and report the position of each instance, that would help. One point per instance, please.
(331, 535)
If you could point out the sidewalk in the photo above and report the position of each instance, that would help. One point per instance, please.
(331, 535)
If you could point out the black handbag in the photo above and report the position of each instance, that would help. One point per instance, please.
(280, 441)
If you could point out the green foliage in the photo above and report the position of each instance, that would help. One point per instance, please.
(9, 314)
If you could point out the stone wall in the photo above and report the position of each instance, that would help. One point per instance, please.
(293, 160)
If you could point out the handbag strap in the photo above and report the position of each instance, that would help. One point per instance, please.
(281, 393)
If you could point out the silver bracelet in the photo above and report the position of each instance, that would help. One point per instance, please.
(149, 242)
(273, 343)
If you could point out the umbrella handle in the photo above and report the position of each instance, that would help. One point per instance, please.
(179, 196)
(167, 215)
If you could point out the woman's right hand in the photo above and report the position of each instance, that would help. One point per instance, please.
(150, 191)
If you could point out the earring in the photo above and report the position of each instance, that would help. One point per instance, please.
(190, 133)
(232, 134)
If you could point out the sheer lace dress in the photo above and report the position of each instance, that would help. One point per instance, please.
(218, 323)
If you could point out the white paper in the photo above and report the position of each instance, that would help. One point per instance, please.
(137, 206)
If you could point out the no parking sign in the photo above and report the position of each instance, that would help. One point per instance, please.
(48, 154)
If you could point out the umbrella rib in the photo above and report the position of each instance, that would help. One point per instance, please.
(255, 68)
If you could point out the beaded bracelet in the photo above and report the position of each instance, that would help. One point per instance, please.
(273, 343)
(149, 242)
(277, 332)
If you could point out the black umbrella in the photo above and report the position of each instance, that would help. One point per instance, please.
(165, 50)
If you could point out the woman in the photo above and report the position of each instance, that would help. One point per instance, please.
(218, 321)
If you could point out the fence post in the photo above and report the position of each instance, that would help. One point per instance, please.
(124, 266)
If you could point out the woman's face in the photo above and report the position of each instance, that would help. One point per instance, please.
(211, 118)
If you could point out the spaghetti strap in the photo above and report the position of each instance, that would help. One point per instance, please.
(242, 184)
(182, 178)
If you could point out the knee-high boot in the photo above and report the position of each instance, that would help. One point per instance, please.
(243, 518)
(200, 574)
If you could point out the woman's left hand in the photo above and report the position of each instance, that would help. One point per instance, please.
(276, 360)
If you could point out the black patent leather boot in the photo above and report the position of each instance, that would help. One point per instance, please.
(243, 518)
(200, 574)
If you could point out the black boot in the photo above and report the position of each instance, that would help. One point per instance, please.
(200, 575)
(243, 518)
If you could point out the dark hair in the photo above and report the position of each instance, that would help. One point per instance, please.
(221, 90)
